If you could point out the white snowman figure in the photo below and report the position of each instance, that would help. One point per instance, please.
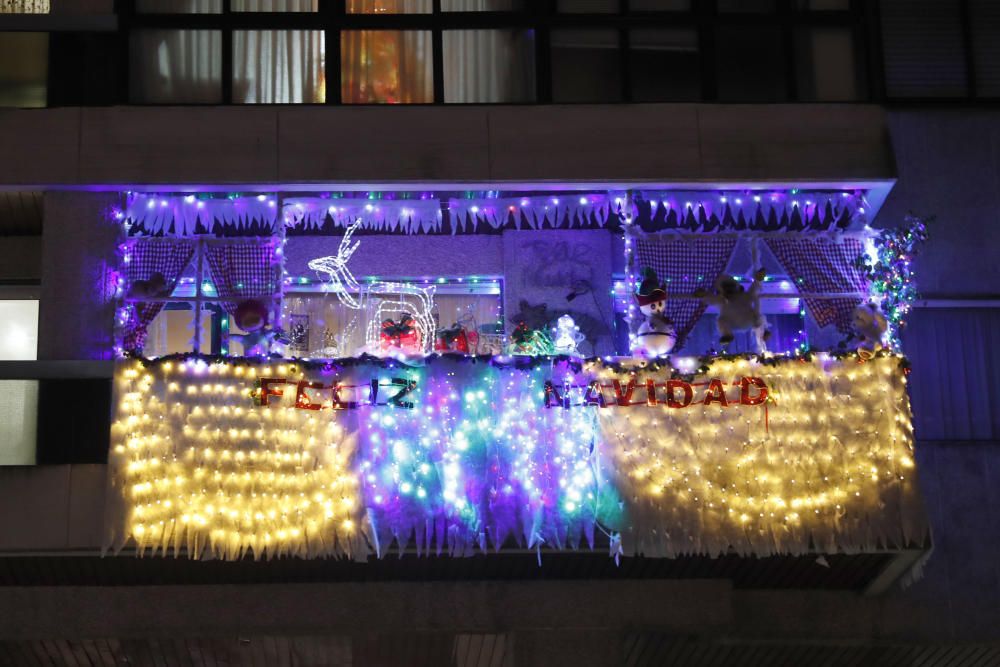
(656, 335)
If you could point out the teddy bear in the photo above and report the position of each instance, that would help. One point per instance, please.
(656, 335)
(739, 309)
(869, 326)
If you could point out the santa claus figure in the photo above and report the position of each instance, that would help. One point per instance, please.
(656, 335)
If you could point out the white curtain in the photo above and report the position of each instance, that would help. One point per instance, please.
(176, 66)
(488, 66)
(275, 5)
(24, 6)
(178, 6)
(278, 66)
(479, 5)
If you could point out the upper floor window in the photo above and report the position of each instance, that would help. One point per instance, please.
(495, 51)
(24, 6)
(24, 68)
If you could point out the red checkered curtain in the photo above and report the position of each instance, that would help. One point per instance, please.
(824, 265)
(144, 257)
(684, 264)
(243, 270)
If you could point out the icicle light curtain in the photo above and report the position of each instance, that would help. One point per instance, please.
(702, 212)
(225, 457)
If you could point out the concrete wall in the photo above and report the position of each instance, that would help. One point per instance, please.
(663, 143)
(949, 166)
(76, 310)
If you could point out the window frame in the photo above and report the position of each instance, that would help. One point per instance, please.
(541, 18)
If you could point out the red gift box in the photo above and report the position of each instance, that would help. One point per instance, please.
(402, 336)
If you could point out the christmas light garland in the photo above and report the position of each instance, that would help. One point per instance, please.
(891, 273)
(223, 457)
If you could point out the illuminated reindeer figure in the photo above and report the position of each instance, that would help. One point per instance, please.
(342, 280)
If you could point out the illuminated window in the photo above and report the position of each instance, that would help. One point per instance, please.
(176, 66)
(275, 5)
(389, 6)
(386, 67)
(320, 325)
(24, 68)
(18, 398)
(481, 5)
(18, 330)
(278, 66)
(488, 66)
(178, 6)
(24, 6)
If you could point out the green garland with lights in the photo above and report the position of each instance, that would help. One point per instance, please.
(891, 272)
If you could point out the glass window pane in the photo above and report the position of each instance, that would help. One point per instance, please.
(19, 330)
(481, 5)
(482, 66)
(389, 6)
(587, 6)
(24, 69)
(586, 66)
(923, 48)
(18, 422)
(823, 5)
(278, 66)
(170, 66)
(386, 67)
(664, 65)
(24, 6)
(178, 6)
(751, 67)
(985, 26)
(825, 62)
(745, 6)
(275, 5)
(659, 5)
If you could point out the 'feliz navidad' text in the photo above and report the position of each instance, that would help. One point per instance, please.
(394, 392)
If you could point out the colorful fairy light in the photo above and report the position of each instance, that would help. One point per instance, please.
(271, 457)
(888, 266)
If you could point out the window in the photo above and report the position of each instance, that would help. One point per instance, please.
(484, 66)
(24, 68)
(24, 6)
(178, 6)
(588, 6)
(386, 67)
(389, 6)
(278, 66)
(18, 330)
(484, 51)
(275, 5)
(321, 326)
(659, 5)
(481, 5)
(664, 65)
(176, 66)
(826, 69)
(586, 66)
(751, 66)
(18, 398)
(923, 49)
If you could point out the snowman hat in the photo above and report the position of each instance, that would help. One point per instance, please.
(651, 289)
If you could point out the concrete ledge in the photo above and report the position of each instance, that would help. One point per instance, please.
(651, 143)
